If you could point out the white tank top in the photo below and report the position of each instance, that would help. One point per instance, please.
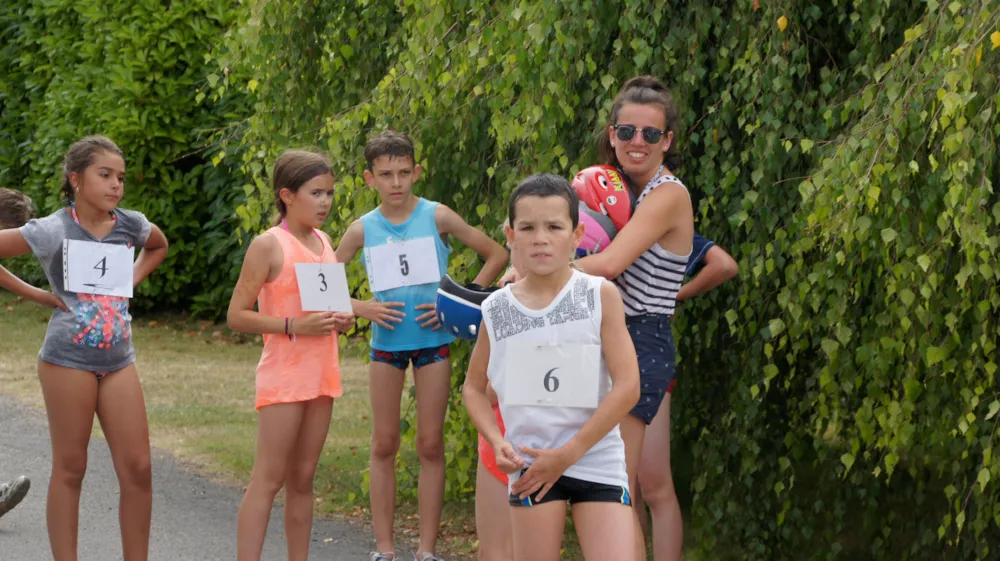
(573, 317)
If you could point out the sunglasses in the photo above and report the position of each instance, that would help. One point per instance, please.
(625, 133)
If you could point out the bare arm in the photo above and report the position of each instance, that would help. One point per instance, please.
(474, 391)
(382, 313)
(153, 253)
(42, 297)
(477, 394)
(719, 267)
(651, 221)
(449, 222)
(13, 244)
(623, 368)
(491, 394)
(351, 242)
(255, 272)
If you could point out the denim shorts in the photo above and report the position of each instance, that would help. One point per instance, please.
(654, 346)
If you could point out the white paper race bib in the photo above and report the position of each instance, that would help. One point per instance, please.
(98, 268)
(323, 287)
(553, 376)
(399, 264)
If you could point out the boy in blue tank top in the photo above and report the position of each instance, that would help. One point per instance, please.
(405, 243)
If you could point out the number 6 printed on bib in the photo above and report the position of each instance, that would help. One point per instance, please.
(552, 376)
(98, 268)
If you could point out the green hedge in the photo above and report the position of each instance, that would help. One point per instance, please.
(128, 70)
(840, 399)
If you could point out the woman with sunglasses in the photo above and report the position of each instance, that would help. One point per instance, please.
(647, 261)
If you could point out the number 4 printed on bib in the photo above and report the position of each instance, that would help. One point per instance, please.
(98, 268)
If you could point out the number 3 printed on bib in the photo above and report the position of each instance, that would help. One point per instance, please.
(552, 376)
(323, 287)
(98, 268)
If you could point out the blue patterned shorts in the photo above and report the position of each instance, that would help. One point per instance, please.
(420, 357)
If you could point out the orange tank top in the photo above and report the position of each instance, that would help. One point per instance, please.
(304, 367)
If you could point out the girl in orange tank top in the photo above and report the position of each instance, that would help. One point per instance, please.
(298, 375)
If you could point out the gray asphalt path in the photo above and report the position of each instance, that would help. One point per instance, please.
(193, 518)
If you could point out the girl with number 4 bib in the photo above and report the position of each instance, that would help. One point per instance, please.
(555, 348)
(299, 374)
(87, 362)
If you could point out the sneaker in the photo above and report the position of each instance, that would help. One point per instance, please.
(376, 556)
(12, 493)
(426, 557)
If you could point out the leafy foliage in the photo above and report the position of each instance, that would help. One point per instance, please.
(845, 153)
(129, 71)
(840, 400)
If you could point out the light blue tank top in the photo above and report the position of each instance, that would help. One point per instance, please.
(407, 335)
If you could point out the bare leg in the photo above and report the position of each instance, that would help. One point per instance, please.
(603, 530)
(300, 475)
(277, 432)
(496, 542)
(656, 480)
(433, 388)
(633, 428)
(385, 390)
(639, 503)
(121, 409)
(70, 402)
(538, 531)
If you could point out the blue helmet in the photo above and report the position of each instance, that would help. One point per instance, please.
(458, 307)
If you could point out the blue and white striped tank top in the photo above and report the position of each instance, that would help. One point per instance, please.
(650, 284)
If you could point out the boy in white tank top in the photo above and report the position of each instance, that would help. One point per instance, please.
(555, 348)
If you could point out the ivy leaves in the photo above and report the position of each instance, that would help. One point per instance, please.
(128, 71)
(845, 154)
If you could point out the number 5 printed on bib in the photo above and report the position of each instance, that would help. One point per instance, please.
(552, 376)
(98, 268)
(399, 264)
